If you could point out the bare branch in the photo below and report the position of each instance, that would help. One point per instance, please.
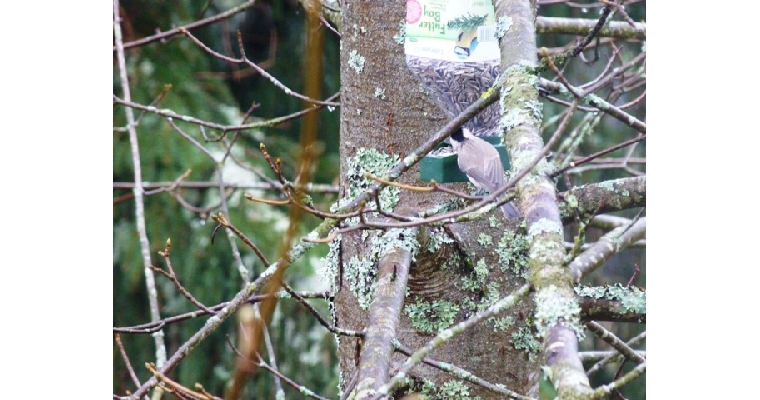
(224, 128)
(609, 338)
(330, 327)
(244, 60)
(169, 186)
(197, 24)
(117, 339)
(384, 314)
(602, 391)
(150, 280)
(155, 326)
(173, 277)
(606, 360)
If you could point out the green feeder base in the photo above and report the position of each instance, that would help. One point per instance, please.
(445, 169)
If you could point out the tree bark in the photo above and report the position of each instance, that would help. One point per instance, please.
(457, 270)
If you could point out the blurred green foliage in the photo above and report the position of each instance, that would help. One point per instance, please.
(201, 87)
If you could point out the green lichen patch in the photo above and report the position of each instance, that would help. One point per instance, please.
(502, 324)
(395, 238)
(632, 298)
(491, 295)
(356, 61)
(512, 250)
(328, 269)
(455, 390)
(503, 25)
(437, 238)
(361, 274)
(554, 306)
(450, 390)
(606, 185)
(484, 239)
(524, 339)
(475, 280)
(432, 317)
(536, 108)
(378, 164)
(572, 201)
(544, 226)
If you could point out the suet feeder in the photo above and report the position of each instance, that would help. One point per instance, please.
(444, 168)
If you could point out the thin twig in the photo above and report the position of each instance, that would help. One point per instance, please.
(599, 24)
(173, 277)
(223, 128)
(244, 60)
(222, 220)
(244, 273)
(176, 388)
(318, 316)
(164, 35)
(604, 390)
(272, 359)
(171, 187)
(150, 280)
(300, 388)
(604, 361)
(155, 326)
(168, 186)
(610, 338)
(124, 357)
(190, 139)
(598, 154)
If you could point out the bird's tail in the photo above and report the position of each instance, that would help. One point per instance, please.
(510, 211)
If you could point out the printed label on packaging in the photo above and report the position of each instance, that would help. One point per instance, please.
(454, 30)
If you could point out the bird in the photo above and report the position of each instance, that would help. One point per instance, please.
(480, 161)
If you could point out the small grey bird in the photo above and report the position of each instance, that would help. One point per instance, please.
(480, 161)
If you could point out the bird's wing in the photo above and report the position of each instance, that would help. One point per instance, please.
(495, 172)
(487, 173)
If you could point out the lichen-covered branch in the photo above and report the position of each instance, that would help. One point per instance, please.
(606, 247)
(578, 26)
(604, 197)
(612, 303)
(561, 353)
(384, 314)
(557, 311)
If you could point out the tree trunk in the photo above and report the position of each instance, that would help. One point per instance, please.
(458, 269)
